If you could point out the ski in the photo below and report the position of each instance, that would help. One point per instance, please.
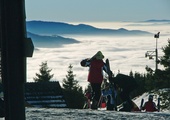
(158, 104)
(141, 104)
(109, 72)
(113, 103)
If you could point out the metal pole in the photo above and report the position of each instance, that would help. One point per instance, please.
(156, 61)
(156, 52)
(12, 36)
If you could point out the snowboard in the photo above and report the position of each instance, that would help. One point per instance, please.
(141, 104)
(84, 61)
(111, 104)
(109, 72)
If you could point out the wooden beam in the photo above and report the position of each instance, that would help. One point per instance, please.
(12, 36)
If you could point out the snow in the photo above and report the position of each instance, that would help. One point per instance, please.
(100, 114)
(77, 114)
(87, 114)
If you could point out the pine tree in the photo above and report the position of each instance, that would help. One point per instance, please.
(69, 82)
(72, 91)
(165, 60)
(44, 75)
(140, 79)
(164, 76)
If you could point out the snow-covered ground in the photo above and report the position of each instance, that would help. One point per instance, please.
(86, 114)
(100, 114)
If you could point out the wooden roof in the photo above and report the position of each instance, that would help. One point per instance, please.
(44, 94)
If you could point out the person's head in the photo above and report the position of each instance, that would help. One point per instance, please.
(99, 55)
(150, 98)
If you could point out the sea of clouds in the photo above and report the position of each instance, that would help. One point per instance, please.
(125, 53)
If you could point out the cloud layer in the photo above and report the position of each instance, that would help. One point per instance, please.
(125, 54)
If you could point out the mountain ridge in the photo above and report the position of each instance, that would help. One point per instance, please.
(50, 41)
(61, 28)
(155, 20)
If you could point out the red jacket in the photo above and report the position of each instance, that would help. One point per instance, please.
(150, 106)
(96, 71)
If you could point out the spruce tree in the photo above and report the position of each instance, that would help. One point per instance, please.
(165, 60)
(44, 75)
(164, 77)
(73, 93)
(69, 82)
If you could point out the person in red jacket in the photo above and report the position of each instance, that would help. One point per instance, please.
(150, 106)
(95, 76)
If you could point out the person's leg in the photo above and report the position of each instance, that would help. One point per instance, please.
(96, 88)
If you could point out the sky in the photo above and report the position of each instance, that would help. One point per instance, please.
(97, 10)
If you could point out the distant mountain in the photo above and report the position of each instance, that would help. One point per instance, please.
(50, 41)
(157, 20)
(59, 28)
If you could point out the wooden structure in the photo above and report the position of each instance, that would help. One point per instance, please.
(44, 94)
(13, 58)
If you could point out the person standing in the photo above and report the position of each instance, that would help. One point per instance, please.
(150, 106)
(95, 76)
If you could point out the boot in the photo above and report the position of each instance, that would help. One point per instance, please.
(94, 104)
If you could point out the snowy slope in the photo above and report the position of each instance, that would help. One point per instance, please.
(101, 114)
(144, 96)
(86, 114)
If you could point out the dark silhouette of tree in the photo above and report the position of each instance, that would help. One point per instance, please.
(163, 76)
(44, 75)
(73, 93)
(160, 78)
(165, 60)
(140, 79)
(69, 82)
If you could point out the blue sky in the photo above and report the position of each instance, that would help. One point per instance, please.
(97, 10)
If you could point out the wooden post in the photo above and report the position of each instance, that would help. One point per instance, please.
(12, 36)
